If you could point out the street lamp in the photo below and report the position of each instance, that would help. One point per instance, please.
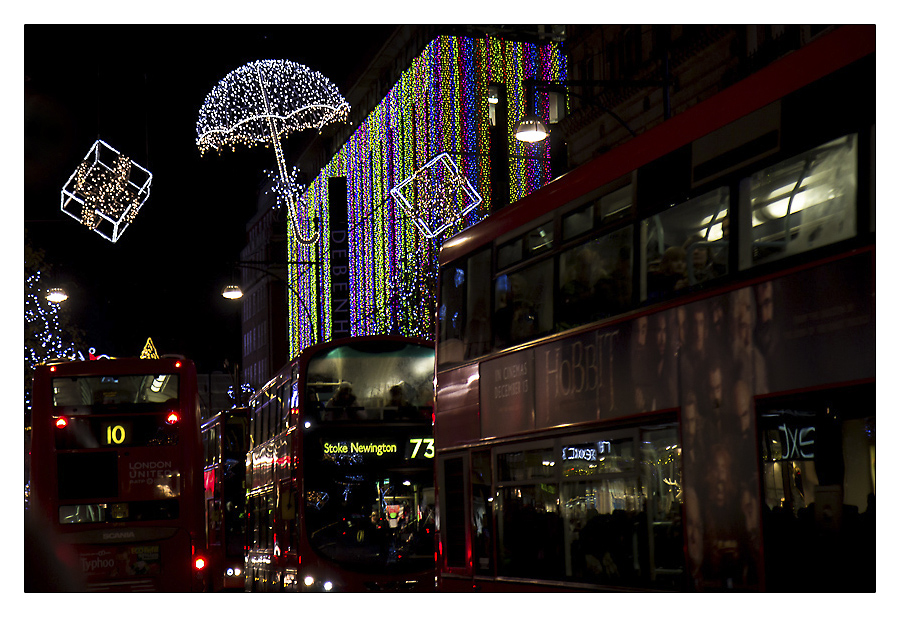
(232, 292)
(56, 295)
(531, 129)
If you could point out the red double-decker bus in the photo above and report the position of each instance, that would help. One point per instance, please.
(226, 439)
(658, 371)
(117, 470)
(340, 473)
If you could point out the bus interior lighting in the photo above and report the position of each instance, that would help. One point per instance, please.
(158, 383)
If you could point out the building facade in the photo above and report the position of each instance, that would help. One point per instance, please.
(262, 271)
(442, 140)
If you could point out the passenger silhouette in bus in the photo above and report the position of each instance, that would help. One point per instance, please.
(397, 406)
(515, 319)
(699, 260)
(338, 407)
(478, 330)
(669, 276)
(578, 299)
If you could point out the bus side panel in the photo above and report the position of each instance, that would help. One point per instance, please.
(458, 392)
(808, 329)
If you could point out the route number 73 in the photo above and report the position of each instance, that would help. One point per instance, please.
(429, 451)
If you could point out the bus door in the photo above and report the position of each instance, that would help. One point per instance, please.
(467, 510)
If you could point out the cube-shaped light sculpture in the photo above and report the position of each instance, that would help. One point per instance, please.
(436, 195)
(106, 191)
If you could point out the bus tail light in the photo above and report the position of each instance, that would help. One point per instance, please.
(61, 422)
(199, 563)
(173, 418)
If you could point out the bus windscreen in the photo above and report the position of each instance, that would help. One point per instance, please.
(102, 393)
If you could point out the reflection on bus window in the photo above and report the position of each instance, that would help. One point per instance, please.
(450, 315)
(581, 511)
(524, 304)
(595, 279)
(685, 245)
(478, 301)
(800, 204)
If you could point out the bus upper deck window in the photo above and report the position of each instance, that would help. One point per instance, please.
(685, 245)
(800, 204)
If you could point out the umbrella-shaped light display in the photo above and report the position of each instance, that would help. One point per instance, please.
(263, 101)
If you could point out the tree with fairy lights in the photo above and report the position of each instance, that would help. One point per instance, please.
(48, 330)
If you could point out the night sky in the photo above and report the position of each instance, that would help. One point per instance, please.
(139, 88)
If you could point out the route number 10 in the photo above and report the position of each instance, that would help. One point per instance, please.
(115, 434)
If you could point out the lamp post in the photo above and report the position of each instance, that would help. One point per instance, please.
(274, 316)
(234, 292)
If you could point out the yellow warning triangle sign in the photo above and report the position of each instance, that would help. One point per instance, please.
(149, 352)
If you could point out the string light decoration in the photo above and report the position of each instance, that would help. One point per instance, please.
(46, 336)
(263, 101)
(277, 186)
(149, 351)
(439, 109)
(106, 191)
(436, 196)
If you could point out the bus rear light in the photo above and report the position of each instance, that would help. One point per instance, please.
(199, 563)
(61, 422)
(173, 418)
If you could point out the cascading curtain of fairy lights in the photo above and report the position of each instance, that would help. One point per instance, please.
(439, 105)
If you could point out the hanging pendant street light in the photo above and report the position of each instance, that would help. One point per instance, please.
(531, 129)
(56, 295)
(232, 292)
